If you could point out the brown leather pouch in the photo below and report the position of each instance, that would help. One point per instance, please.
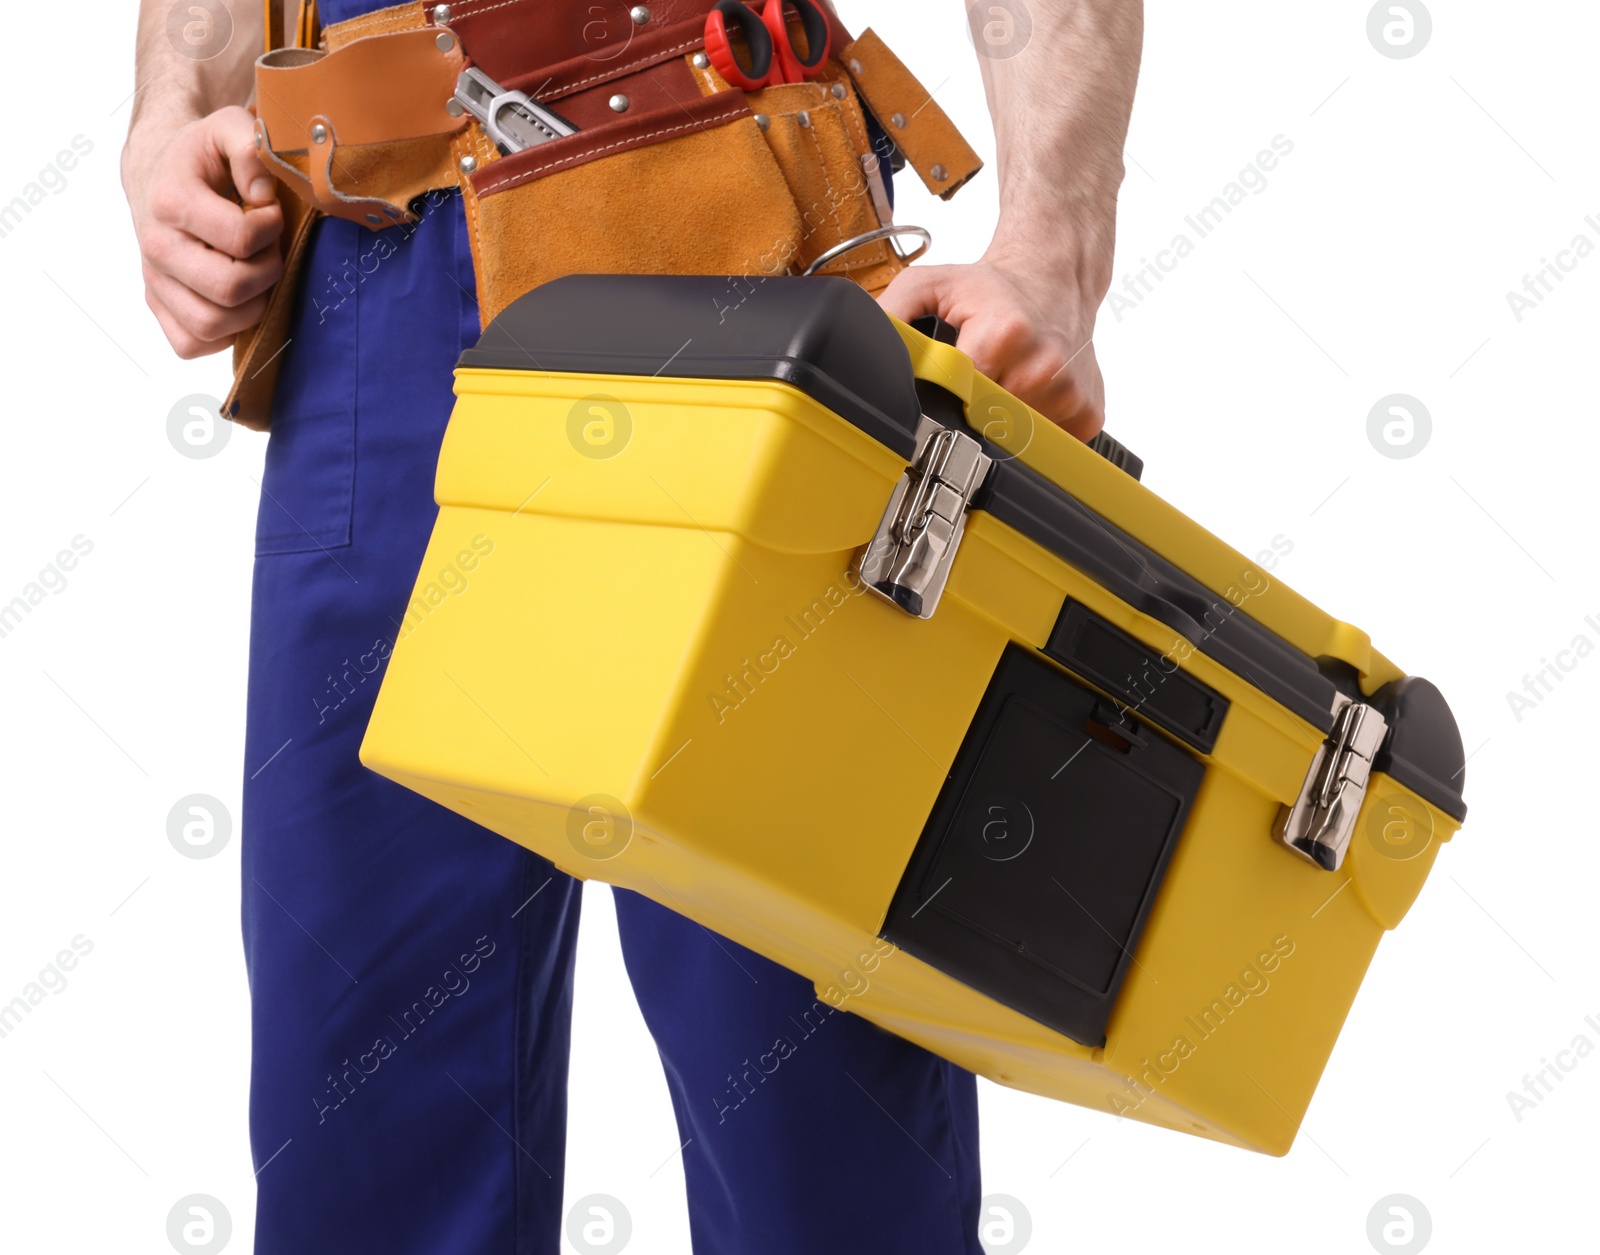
(258, 353)
(689, 187)
(819, 137)
(670, 172)
(708, 181)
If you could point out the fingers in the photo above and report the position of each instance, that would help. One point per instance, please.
(205, 326)
(211, 162)
(1040, 365)
(1046, 361)
(184, 342)
(1072, 395)
(234, 140)
(224, 226)
(1073, 399)
(211, 273)
(208, 261)
(914, 292)
(201, 296)
(193, 207)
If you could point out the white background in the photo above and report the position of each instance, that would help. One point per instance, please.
(1376, 261)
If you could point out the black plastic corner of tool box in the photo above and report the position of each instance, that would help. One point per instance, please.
(1118, 454)
(1423, 750)
(824, 335)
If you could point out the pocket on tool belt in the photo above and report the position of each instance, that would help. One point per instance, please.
(819, 137)
(689, 188)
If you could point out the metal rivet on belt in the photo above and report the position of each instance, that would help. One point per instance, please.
(319, 134)
(898, 120)
(618, 103)
(261, 140)
(804, 119)
(940, 174)
(701, 61)
(374, 219)
(855, 66)
(838, 91)
(639, 14)
(444, 42)
(454, 107)
(441, 14)
(763, 121)
(469, 163)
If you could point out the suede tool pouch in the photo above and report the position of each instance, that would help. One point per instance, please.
(258, 352)
(819, 137)
(688, 188)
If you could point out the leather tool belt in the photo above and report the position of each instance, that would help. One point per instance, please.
(669, 170)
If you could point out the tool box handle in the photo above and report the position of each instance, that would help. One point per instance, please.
(1108, 447)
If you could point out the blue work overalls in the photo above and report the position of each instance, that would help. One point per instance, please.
(411, 973)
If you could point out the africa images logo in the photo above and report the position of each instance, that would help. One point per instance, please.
(743, 684)
(51, 179)
(1252, 983)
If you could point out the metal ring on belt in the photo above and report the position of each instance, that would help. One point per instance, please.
(871, 237)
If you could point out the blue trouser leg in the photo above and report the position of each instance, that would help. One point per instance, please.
(807, 1129)
(410, 1004)
(411, 973)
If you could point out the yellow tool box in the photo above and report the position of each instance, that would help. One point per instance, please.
(783, 616)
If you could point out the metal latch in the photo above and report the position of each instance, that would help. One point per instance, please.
(909, 558)
(1319, 824)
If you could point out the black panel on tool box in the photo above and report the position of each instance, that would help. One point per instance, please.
(1137, 676)
(1043, 854)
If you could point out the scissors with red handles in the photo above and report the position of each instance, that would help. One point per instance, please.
(773, 58)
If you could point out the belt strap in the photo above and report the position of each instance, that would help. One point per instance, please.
(391, 73)
(919, 128)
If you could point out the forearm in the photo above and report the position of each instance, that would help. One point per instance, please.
(179, 82)
(1060, 109)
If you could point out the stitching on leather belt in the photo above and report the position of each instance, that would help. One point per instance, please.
(471, 10)
(585, 154)
(639, 63)
(357, 24)
(378, 17)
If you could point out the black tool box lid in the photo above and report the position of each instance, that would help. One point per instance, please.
(812, 333)
(829, 338)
